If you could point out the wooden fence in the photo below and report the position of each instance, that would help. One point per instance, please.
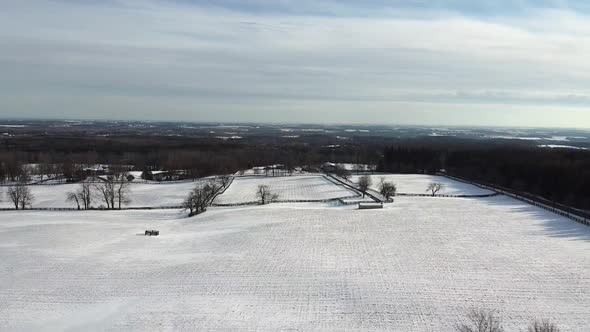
(562, 210)
(354, 189)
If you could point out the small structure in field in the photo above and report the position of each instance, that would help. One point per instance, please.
(370, 206)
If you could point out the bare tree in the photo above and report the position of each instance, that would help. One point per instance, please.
(20, 195)
(543, 326)
(73, 197)
(122, 189)
(45, 169)
(24, 175)
(201, 197)
(342, 172)
(364, 183)
(358, 168)
(147, 175)
(479, 320)
(265, 195)
(106, 191)
(85, 194)
(434, 188)
(224, 181)
(387, 189)
(190, 203)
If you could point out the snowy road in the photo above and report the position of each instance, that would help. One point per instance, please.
(417, 265)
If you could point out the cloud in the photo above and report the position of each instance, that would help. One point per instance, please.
(190, 57)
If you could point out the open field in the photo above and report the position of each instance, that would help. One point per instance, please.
(417, 265)
(303, 187)
(417, 184)
(141, 194)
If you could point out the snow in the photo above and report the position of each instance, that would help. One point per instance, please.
(560, 146)
(417, 265)
(300, 187)
(141, 195)
(527, 138)
(417, 184)
(353, 167)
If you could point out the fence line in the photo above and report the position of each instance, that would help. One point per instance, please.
(176, 207)
(326, 200)
(449, 196)
(582, 219)
(171, 207)
(348, 185)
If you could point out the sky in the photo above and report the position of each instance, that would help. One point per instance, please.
(438, 62)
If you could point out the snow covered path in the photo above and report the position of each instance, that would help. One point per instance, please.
(417, 265)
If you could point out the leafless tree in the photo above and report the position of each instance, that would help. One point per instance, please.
(224, 180)
(122, 189)
(265, 195)
(342, 172)
(117, 170)
(85, 194)
(543, 326)
(387, 188)
(24, 175)
(434, 188)
(358, 168)
(201, 197)
(479, 320)
(20, 195)
(364, 183)
(45, 169)
(106, 191)
(147, 175)
(73, 197)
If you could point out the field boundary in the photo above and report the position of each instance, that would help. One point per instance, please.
(584, 220)
(449, 196)
(353, 188)
(176, 207)
(169, 207)
(326, 200)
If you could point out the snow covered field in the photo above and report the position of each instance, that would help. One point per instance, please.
(417, 265)
(417, 184)
(301, 187)
(141, 194)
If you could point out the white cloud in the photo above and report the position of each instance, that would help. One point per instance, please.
(70, 55)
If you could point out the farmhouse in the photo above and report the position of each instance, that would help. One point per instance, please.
(96, 170)
(329, 167)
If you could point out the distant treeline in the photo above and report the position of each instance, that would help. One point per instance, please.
(199, 157)
(559, 175)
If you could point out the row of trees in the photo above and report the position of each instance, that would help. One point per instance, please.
(196, 156)
(12, 170)
(20, 195)
(203, 194)
(388, 189)
(559, 175)
(114, 193)
(480, 320)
